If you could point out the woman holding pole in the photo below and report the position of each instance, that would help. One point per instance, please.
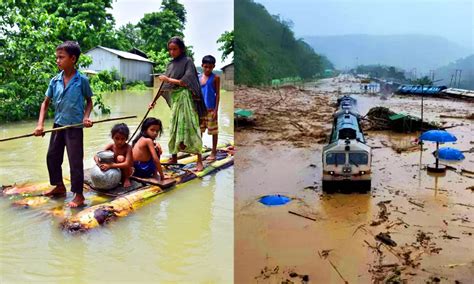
(182, 91)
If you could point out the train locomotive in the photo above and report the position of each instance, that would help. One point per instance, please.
(346, 158)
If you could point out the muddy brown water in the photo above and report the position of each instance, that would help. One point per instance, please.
(271, 243)
(178, 237)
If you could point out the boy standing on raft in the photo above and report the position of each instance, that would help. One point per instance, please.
(210, 87)
(71, 96)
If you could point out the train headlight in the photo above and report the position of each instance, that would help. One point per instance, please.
(331, 173)
(362, 172)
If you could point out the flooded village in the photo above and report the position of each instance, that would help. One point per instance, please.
(411, 227)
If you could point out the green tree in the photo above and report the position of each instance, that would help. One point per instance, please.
(27, 57)
(158, 27)
(227, 41)
(161, 59)
(266, 48)
(87, 22)
(176, 7)
(128, 37)
(423, 81)
(27, 64)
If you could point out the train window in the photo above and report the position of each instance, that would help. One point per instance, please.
(336, 158)
(358, 159)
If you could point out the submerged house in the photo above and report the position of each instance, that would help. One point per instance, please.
(227, 78)
(132, 67)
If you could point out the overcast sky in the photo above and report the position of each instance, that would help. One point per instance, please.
(206, 20)
(452, 19)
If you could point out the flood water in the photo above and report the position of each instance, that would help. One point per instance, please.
(178, 237)
(272, 244)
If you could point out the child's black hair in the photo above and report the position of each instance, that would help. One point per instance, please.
(179, 42)
(121, 128)
(209, 59)
(71, 47)
(147, 123)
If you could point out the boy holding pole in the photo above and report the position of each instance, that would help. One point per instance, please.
(71, 95)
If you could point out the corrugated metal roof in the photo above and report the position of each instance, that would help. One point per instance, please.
(397, 116)
(123, 54)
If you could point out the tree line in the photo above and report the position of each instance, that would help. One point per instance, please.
(266, 48)
(31, 30)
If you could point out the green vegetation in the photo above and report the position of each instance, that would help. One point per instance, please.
(266, 48)
(422, 81)
(137, 86)
(31, 30)
(382, 71)
(227, 41)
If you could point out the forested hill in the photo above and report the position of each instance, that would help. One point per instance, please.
(423, 52)
(266, 48)
(466, 65)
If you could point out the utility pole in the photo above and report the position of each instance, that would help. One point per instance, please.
(459, 80)
(450, 82)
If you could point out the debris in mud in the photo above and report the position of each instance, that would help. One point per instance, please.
(382, 118)
(304, 277)
(394, 278)
(324, 253)
(383, 213)
(449, 237)
(421, 205)
(303, 119)
(300, 215)
(266, 272)
(311, 187)
(386, 239)
(468, 116)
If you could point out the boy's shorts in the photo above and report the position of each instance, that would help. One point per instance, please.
(209, 123)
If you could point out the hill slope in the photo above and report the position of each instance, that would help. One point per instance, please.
(266, 49)
(467, 75)
(423, 52)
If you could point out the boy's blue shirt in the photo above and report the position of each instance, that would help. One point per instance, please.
(208, 91)
(69, 102)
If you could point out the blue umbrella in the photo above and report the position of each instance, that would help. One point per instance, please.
(274, 200)
(438, 136)
(450, 154)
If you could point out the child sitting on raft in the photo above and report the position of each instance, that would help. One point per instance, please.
(122, 153)
(146, 152)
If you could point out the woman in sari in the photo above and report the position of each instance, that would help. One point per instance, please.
(182, 91)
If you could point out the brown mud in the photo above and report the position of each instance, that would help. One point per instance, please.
(411, 228)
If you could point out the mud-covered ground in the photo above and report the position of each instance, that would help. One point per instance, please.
(426, 221)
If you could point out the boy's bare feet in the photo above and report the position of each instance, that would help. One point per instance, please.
(211, 157)
(57, 191)
(199, 167)
(127, 183)
(77, 201)
(182, 147)
(174, 159)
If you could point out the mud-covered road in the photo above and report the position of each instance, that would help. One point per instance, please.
(429, 218)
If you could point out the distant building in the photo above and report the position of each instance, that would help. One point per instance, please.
(227, 78)
(131, 66)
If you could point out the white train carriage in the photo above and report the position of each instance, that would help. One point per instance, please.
(347, 158)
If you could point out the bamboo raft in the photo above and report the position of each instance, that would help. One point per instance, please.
(103, 207)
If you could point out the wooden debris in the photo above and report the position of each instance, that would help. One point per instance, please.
(386, 239)
(297, 214)
(417, 204)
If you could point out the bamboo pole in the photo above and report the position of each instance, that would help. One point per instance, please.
(69, 126)
(148, 111)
